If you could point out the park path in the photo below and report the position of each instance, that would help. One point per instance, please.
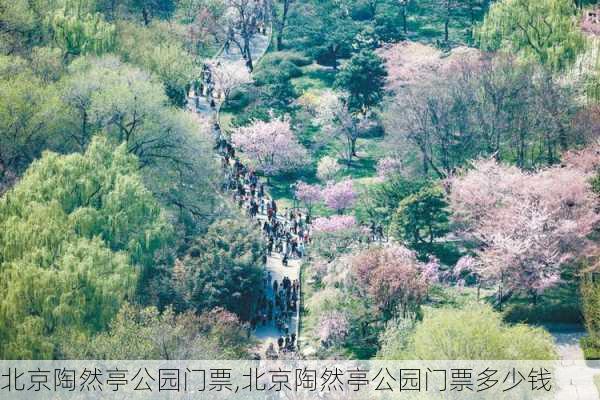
(269, 333)
(577, 383)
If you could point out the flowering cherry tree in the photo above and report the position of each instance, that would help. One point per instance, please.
(332, 224)
(333, 328)
(527, 224)
(270, 146)
(388, 166)
(393, 278)
(339, 196)
(308, 194)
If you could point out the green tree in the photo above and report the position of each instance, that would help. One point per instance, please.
(543, 30)
(77, 234)
(326, 30)
(223, 268)
(31, 118)
(422, 218)
(147, 334)
(363, 78)
(379, 201)
(82, 33)
(475, 332)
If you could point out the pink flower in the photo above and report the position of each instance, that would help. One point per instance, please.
(339, 196)
(332, 224)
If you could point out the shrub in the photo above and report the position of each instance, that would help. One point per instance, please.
(590, 347)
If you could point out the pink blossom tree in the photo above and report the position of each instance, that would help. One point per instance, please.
(388, 166)
(333, 328)
(270, 146)
(308, 194)
(334, 223)
(528, 225)
(393, 278)
(339, 196)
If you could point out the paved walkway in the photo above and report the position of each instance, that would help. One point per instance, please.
(578, 380)
(268, 333)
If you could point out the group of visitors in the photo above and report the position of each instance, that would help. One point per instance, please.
(287, 233)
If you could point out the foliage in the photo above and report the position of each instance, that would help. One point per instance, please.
(147, 334)
(339, 196)
(333, 224)
(223, 268)
(527, 225)
(472, 333)
(32, 116)
(307, 194)
(545, 30)
(270, 146)
(76, 228)
(363, 78)
(77, 33)
(422, 218)
(378, 202)
(393, 279)
(328, 168)
(590, 299)
(499, 107)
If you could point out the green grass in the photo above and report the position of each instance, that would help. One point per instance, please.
(556, 305)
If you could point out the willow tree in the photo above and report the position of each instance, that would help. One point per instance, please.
(78, 33)
(76, 234)
(542, 30)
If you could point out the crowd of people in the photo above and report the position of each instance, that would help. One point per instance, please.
(287, 233)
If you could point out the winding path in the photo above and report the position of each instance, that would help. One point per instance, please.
(268, 333)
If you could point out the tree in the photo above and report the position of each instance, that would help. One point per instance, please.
(422, 218)
(340, 123)
(527, 226)
(475, 332)
(335, 236)
(500, 107)
(129, 106)
(307, 194)
(270, 146)
(223, 268)
(363, 78)
(334, 223)
(282, 20)
(328, 30)
(328, 168)
(546, 31)
(242, 25)
(32, 116)
(78, 233)
(229, 75)
(77, 33)
(151, 9)
(392, 278)
(147, 334)
(339, 196)
(378, 202)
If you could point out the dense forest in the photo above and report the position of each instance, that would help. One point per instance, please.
(430, 167)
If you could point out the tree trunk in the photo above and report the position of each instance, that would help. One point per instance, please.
(447, 21)
(146, 16)
(286, 9)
